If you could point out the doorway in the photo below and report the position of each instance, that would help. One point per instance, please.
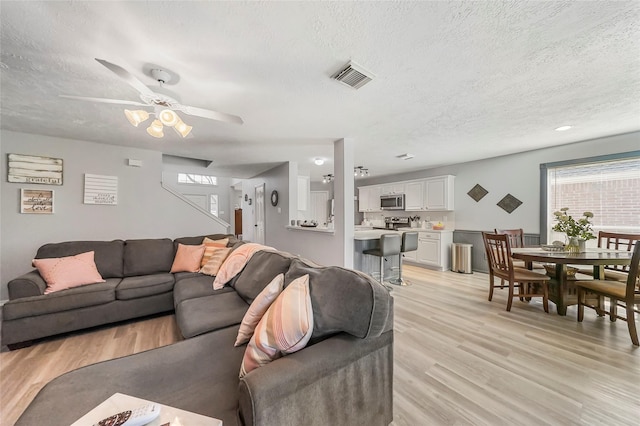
(260, 215)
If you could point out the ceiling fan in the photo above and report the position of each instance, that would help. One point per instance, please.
(164, 106)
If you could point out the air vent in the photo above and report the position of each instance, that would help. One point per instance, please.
(353, 76)
(405, 156)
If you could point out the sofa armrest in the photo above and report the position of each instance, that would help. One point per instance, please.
(340, 380)
(29, 284)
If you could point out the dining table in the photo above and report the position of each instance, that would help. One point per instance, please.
(562, 290)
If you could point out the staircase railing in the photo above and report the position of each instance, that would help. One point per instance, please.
(176, 193)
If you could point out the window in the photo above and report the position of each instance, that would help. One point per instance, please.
(609, 187)
(191, 178)
(213, 204)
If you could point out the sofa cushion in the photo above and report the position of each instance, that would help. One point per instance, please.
(187, 258)
(194, 241)
(61, 273)
(108, 254)
(210, 313)
(192, 286)
(144, 285)
(64, 300)
(198, 375)
(285, 328)
(145, 257)
(257, 309)
(236, 262)
(333, 290)
(260, 270)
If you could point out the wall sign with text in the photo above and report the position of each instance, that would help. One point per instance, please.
(36, 201)
(32, 169)
(99, 189)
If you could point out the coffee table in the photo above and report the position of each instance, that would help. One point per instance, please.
(119, 402)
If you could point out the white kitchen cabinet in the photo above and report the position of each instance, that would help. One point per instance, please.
(434, 249)
(410, 256)
(369, 199)
(392, 188)
(439, 193)
(414, 196)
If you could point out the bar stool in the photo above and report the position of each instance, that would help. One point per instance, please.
(390, 245)
(409, 243)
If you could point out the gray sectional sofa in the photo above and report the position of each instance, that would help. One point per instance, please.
(344, 376)
(138, 283)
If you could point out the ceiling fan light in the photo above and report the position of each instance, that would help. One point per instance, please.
(168, 117)
(182, 128)
(155, 129)
(136, 117)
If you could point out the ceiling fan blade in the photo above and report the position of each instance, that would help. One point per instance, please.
(213, 115)
(128, 77)
(103, 100)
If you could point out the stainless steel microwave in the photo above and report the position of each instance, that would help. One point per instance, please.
(392, 202)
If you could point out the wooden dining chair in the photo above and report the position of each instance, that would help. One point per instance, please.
(516, 239)
(614, 241)
(529, 283)
(626, 295)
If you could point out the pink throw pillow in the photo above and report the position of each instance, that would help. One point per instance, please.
(187, 258)
(235, 262)
(285, 328)
(70, 271)
(257, 309)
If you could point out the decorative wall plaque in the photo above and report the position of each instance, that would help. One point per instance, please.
(36, 201)
(509, 203)
(477, 192)
(32, 169)
(100, 189)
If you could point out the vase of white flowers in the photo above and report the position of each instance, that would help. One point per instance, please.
(577, 231)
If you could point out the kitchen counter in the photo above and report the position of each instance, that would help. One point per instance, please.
(321, 229)
(374, 234)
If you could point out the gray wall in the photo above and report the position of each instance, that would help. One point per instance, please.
(144, 210)
(517, 174)
(174, 165)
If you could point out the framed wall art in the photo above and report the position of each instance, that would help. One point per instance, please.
(33, 169)
(99, 189)
(36, 201)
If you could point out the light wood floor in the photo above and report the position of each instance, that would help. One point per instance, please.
(459, 359)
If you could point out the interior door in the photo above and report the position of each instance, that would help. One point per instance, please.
(260, 215)
(320, 206)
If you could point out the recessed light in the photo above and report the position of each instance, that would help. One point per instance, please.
(405, 156)
(319, 161)
(563, 128)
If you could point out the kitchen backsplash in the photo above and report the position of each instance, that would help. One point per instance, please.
(448, 218)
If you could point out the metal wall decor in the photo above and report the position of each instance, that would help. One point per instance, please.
(477, 192)
(509, 203)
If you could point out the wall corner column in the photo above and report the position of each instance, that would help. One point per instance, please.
(343, 187)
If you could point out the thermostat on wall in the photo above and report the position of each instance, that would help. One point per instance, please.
(134, 163)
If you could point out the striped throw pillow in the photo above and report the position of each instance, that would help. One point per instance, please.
(209, 248)
(218, 256)
(285, 328)
(257, 309)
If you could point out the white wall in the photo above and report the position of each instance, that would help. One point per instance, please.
(144, 210)
(518, 175)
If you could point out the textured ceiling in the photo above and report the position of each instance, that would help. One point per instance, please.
(455, 81)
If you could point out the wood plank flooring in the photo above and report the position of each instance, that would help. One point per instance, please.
(459, 359)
